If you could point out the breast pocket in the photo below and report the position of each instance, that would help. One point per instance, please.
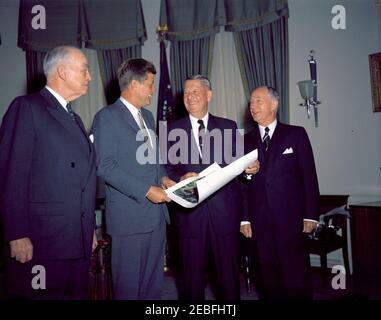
(286, 164)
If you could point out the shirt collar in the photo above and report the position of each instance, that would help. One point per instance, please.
(195, 124)
(134, 110)
(271, 126)
(56, 95)
(130, 107)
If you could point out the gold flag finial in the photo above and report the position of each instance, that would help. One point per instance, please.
(162, 31)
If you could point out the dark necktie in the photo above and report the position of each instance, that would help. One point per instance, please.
(75, 119)
(266, 139)
(71, 112)
(201, 133)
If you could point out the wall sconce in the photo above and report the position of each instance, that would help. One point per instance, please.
(308, 90)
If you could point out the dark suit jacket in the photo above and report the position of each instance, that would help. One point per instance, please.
(285, 190)
(47, 178)
(223, 208)
(118, 145)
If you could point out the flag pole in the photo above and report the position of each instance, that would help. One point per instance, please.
(165, 105)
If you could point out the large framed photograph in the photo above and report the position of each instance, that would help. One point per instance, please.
(375, 80)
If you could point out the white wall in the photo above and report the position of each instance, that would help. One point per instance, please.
(347, 143)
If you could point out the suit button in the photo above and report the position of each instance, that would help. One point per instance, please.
(83, 215)
(72, 164)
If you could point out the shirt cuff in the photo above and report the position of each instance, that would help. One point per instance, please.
(244, 222)
(309, 220)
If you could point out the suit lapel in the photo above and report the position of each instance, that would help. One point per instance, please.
(275, 144)
(129, 118)
(126, 115)
(258, 142)
(193, 153)
(150, 124)
(212, 124)
(57, 111)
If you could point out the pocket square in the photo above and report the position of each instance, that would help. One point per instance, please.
(288, 151)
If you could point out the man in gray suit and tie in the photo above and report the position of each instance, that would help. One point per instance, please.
(136, 213)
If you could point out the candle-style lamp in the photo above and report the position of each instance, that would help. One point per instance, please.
(308, 90)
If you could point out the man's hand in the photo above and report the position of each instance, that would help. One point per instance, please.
(309, 226)
(21, 249)
(253, 168)
(167, 183)
(245, 229)
(188, 175)
(157, 195)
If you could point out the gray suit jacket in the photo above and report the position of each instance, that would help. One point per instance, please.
(119, 149)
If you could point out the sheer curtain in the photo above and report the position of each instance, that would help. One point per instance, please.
(229, 100)
(88, 105)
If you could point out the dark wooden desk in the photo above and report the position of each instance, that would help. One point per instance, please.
(366, 248)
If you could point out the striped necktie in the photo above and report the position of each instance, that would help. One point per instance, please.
(143, 129)
(71, 112)
(201, 133)
(266, 139)
(77, 121)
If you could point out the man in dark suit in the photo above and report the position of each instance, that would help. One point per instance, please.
(209, 233)
(127, 160)
(282, 200)
(47, 182)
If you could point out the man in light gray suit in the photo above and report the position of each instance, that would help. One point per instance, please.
(136, 213)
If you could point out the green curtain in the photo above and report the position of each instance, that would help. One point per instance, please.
(261, 37)
(34, 71)
(113, 24)
(263, 57)
(62, 24)
(109, 62)
(189, 20)
(260, 32)
(191, 29)
(188, 58)
(114, 27)
(248, 14)
(110, 24)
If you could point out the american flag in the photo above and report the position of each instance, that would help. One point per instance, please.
(165, 104)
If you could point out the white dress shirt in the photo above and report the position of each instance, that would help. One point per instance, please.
(134, 111)
(271, 126)
(60, 99)
(196, 125)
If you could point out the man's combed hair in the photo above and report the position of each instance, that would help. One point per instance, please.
(204, 80)
(134, 69)
(54, 57)
(273, 93)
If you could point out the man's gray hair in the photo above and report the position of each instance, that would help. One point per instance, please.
(204, 80)
(54, 57)
(273, 93)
